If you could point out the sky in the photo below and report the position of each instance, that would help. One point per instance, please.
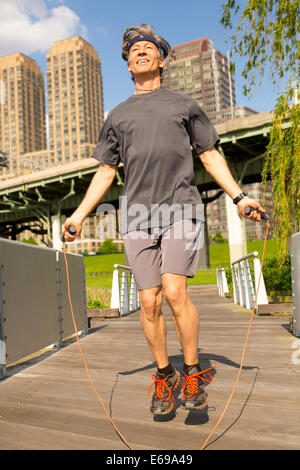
(31, 27)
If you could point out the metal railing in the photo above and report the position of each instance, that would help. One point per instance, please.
(222, 282)
(124, 295)
(245, 279)
(244, 289)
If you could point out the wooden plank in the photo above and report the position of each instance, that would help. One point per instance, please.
(103, 313)
(275, 308)
(48, 403)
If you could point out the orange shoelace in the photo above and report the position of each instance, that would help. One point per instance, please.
(161, 386)
(191, 382)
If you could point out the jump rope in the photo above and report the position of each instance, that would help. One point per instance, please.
(72, 231)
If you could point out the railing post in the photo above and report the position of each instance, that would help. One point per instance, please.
(222, 282)
(241, 285)
(236, 295)
(218, 282)
(133, 294)
(262, 298)
(124, 304)
(248, 287)
(115, 291)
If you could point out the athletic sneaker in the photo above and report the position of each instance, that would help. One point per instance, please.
(165, 385)
(193, 395)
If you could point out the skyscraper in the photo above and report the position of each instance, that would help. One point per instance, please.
(22, 109)
(75, 99)
(197, 69)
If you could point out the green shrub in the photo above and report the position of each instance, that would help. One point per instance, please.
(93, 303)
(108, 247)
(277, 277)
(228, 273)
(218, 238)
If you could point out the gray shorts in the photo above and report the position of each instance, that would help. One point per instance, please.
(174, 249)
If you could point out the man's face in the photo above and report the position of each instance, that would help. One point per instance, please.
(144, 58)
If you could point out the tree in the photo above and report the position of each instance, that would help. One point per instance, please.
(218, 238)
(108, 246)
(266, 33)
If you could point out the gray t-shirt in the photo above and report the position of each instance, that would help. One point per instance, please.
(152, 135)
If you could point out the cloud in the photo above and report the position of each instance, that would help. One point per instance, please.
(30, 26)
(102, 30)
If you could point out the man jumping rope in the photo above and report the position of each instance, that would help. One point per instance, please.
(151, 133)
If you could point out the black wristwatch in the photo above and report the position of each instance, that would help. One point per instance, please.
(239, 198)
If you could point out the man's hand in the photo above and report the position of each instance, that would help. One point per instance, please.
(77, 223)
(247, 201)
(99, 185)
(216, 166)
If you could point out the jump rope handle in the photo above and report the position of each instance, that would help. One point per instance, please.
(71, 230)
(250, 209)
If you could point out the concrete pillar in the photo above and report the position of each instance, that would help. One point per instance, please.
(57, 222)
(236, 231)
(204, 261)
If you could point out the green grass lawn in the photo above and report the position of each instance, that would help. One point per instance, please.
(205, 276)
(104, 282)
(219, 256)
(271, 249)
(219, 253)
(102, 263)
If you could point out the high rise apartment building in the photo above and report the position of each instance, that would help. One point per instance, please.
(75, 99)
(22, 109)
(197, 69)
(75, 115)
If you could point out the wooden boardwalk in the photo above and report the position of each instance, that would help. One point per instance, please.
(47, 403)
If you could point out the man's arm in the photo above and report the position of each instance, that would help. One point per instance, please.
(99, 185)
(216, 166)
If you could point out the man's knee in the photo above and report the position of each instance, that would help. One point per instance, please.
(150, 302)
(174, 294)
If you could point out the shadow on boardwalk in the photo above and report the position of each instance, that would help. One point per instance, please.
(194, 417)
(47, 402)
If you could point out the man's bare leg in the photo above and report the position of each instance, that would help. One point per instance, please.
(153, 324)
(167, 378)
(185, 315)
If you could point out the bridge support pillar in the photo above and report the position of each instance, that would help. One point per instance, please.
(204, 261)
(56, 222)
(236, 231)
